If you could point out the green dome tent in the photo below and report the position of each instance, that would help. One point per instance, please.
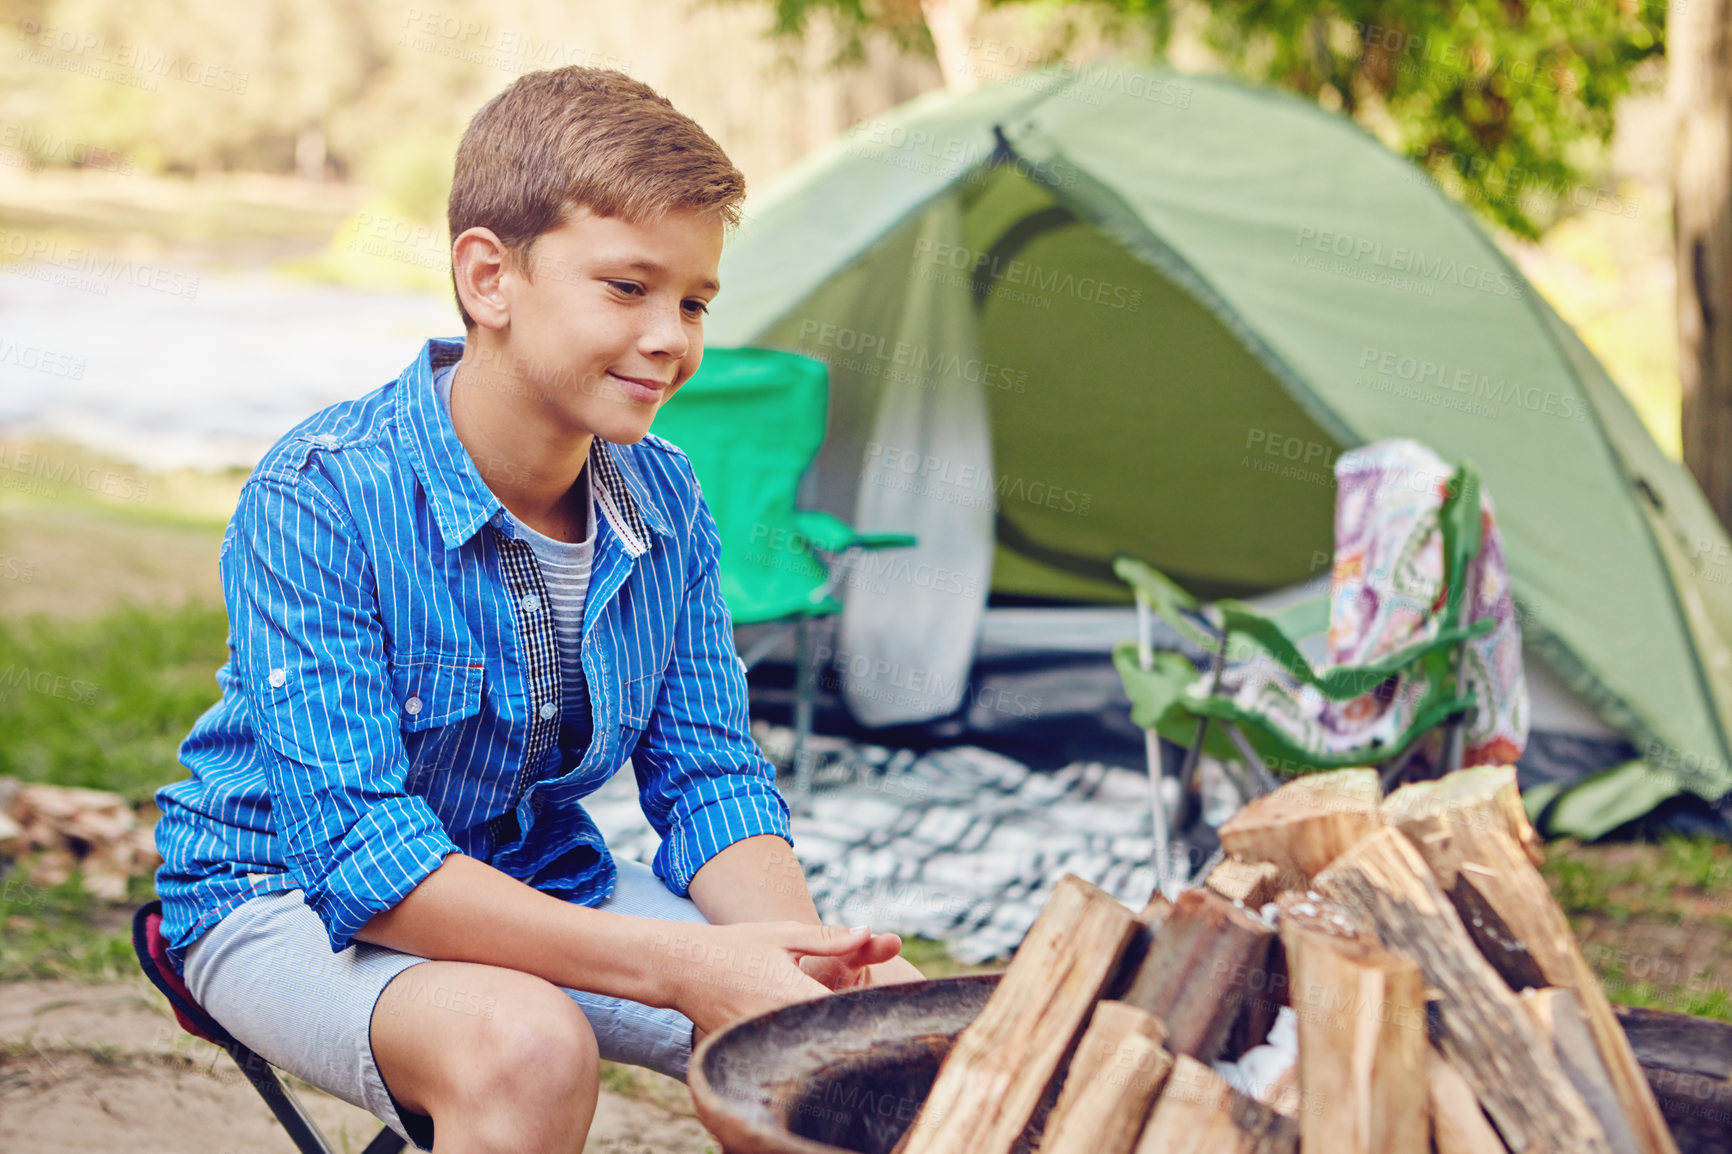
(1132, 311)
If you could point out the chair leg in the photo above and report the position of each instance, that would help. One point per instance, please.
(805, 690)
(1156, 763)
(1397, 768)
(300, 1128)
(1256, 780)
(386, 1141)
(1158, 808)
(1193, 755)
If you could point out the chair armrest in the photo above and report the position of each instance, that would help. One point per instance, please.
(834, 535)
(1339, 682)
(1169, 601)
(1155, 692)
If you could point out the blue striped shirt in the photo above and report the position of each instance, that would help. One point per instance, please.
(392, 689)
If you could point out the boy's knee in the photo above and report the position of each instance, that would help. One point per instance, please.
(544, 1043)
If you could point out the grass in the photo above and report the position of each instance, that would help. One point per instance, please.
(1655, 921)
(105, 703)
(62, 932)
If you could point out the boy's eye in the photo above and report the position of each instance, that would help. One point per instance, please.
(697, 307)
(629, 288)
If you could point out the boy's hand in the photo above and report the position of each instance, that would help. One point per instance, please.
(878, 962)
(719, 974)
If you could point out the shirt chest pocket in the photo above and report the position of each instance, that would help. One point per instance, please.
(637, 701)
(435, 694)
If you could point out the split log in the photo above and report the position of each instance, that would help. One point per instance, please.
(1118, 1070)
(1155, 914)
(1482, 798)
(1149, 922)
(1198, 1113)
(1249, 884)
(1463, 832)
(1266, 991)
(1458, 1125)
(1558, 1016)
(1482, 1028)
(1301, 827)
(1362, 1044)
(1002, 1064)
(1283, 1094)
(1199, 970)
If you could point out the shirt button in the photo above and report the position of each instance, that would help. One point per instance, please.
(530, 603)
(278, 679)
(546, 710)
(413, 705)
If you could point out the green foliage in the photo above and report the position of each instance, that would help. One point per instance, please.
(105, 703)
(1504, 102)
(1507, 104)
(63, 932)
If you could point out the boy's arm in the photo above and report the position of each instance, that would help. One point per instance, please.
(467, 911)
(309, 654)
(373, 861)
(703, 783)
(710, 793)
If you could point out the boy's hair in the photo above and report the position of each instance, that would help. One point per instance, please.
(590, 138)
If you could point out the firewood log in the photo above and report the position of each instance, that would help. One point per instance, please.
(1249, 884)
(1302, 826)
(1198, 1113)
(1484, 797)
(1362, 1044)
(1458, 1125)
(1558, 1016)
(1199, 969)
(1463, 830)
(1482, 1028)
(1118, 1070)
(1002, 1064)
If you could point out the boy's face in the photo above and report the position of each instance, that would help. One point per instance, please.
(609, 321)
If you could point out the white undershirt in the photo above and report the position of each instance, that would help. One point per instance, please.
(565, 569)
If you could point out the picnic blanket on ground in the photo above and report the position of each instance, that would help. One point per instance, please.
(960, 845)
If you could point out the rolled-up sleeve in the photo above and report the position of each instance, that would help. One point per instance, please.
(310, 655)
(702, 780)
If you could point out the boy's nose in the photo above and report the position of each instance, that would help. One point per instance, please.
(665, 334)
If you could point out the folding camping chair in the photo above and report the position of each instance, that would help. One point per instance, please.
(752, 420)
(152, 950)
(1172, 699)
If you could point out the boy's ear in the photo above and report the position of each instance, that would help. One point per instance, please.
(478, 263)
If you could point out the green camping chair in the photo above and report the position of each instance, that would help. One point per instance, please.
(1165, 703)
(752, 420)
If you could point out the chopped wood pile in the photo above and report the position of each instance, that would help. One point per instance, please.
(54, 830)
(1441, 1002)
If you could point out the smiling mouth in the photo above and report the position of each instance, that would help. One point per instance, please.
(642, 382)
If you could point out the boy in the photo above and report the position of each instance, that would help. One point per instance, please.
(456, 606)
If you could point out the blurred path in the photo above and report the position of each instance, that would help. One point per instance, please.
(182, 366)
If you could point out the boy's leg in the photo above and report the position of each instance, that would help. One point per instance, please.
(500, 1060)
(446, 1032)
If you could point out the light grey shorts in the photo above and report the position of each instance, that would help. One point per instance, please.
(267, 973)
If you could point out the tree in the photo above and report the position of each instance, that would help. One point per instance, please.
(1702, 224)
(1506, 103)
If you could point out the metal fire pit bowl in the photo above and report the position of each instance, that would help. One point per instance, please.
(847, 1074)
(844, 1074)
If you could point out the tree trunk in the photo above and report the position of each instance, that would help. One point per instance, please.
(951, 23)
(1700, 48)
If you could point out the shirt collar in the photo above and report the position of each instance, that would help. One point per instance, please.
(461, 501)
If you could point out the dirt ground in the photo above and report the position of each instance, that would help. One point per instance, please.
(104, 1069)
